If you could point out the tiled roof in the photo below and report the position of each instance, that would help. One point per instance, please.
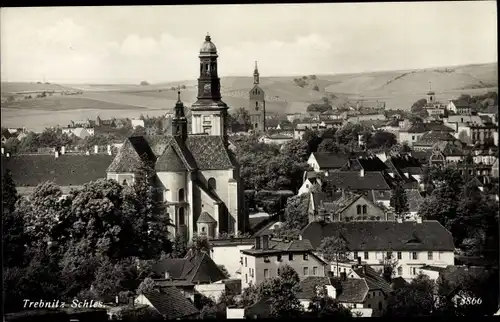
(383, 235)
(398, 283)
(206, 218)
(328, 160)
(354, 290)
(280, 246)
(194, 268)
(280, 137)
(324, 197)
(66, 170)
(368, 163)
(421, 156)
(353, 181)
(171, 303)
(448, 149)
(460, 103)
(373, 279)
(134, 152)
(339, 205)
(432, 137)
(170, 161)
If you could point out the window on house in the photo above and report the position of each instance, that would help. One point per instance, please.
(315, 271)
(182, 220)
(413, 137)
(278, 258)
(388, 255)
(429, 255)
(400, 255)
(400, 270)
(124, 182)
(212, 184)
(358, 209)
(355, 254)
(203, 229)
(381, 193)
(367, 255)
(368, 295)
(414, 255)
(380, 305)
(181, 194)
(364, 209)
(206, 119)
(369, 306)
(413, 270)
(241, 260)
(290, 257)
(306, 271)
(266, 259)
(306, 256)
(245, 262)
(246, 278)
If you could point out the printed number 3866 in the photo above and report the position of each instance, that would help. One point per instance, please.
(467, 300)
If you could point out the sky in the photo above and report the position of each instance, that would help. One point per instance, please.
(161, 43)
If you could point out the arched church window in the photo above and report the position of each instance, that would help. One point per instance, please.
(203, 229)
(212, 184)
(364, 209)
(358, 209)
(125, 182)
(182, 219)
(181, 194)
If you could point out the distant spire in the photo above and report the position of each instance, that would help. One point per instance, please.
(178, 96)
(256, 65)
(207, 37)
(430, 87)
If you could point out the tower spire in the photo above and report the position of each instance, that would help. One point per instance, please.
(256, 74)
(430, 87)
(179, 121)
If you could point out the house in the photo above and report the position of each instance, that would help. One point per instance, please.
(194, 275)
(367, 163)
(265, 258)
(348, 207)
(447, 151)
(67, 170)
(481, 134)
(421, 156)
(376, 186)
(414, 132)
(80, 132)
(278, 139)
(413, 244)
(414, 199)
(327, 161)
(227, 252)
(170, 303)
(136, 123)
(432, 272)
(429, 139)
(459, 107)
(484, 157)
(491, 111)
(405, 167)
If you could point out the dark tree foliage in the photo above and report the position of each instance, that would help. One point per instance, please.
(399, 201)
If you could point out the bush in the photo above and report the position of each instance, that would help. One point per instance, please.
(316, 88)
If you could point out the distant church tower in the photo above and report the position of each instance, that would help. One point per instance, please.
(257, 108)
(209, 112)
(430, 95)
(179, 121)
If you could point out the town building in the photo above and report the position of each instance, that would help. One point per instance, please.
(227, 252)
(327, 161)
(278, 139)
(460, 107)
(257, 101)
(169, 303)
(412, 244)
(268, 255)
(80, 132)
(196, 173)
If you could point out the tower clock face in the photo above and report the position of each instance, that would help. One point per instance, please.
(207, 88)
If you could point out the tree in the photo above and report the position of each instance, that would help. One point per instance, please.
(415, 300)
(144, 83)
(381, 139)
(313, 140)
(399, 201)
(224, 271)
(146, 286)
(289, 275)
(281, 296)
(296, 150)
(324, 306)
(183, 86)
(179, 247)
(389, 266)
(313, 77)
(199, 244)
(316, 88)
(11, 145)
(418, 108)
(296, 211)
(321, 108)
(333, 249)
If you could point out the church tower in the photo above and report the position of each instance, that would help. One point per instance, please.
(209, 112)
(179, 121)
(257, 103)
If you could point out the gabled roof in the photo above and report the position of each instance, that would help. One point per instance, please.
(367, 163)
(329, 160)
(383, 235)
(461, 103)
(351, 290)
(448, 149)
(170, 161)
(206, 218)
(66, 170)
(194, 268)
(134, 153)
(171, 303)
(204, 152)
(339, 205)
(373, 279)
(353, 181)
(280, 246)
(432, 137)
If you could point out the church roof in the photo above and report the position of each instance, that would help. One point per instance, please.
(208, 46)
(206, 218)
(133, 153)
(204, 152)
(170, 161)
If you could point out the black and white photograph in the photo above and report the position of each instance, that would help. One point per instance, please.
(250, 161)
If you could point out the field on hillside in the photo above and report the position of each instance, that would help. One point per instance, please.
(13, 87)
(62, 103)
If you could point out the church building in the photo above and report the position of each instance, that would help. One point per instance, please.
(257, 108)
(197, 176)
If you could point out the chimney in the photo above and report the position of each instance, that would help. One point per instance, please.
(63, 150)
(343, 276)
(265, 242)
(362, 173)
(96, 149)
(56, 154)
(3, 150)
(109, 149)
(359, 260)
(257, 242)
